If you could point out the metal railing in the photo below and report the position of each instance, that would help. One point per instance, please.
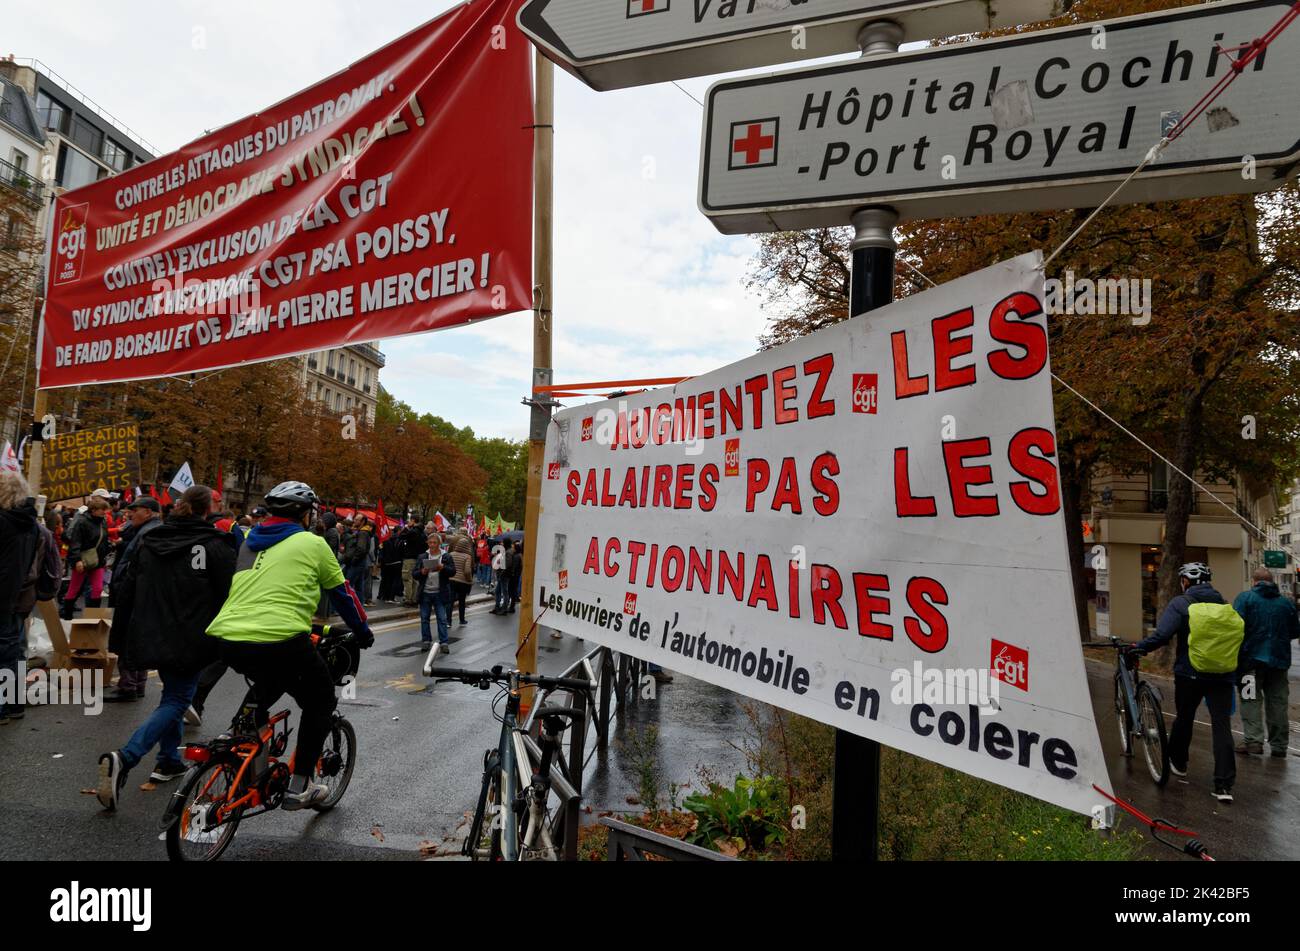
(20, 181)
(615, 677)
(629, 843)
(85, 100)
(370, 352)
(1149, 501)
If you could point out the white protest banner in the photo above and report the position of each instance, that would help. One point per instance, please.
(183, 478)
(862, 526)
(8, 461)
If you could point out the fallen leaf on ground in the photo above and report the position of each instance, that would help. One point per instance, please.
(90, 792)
(378, 833)
(428, 848)
(148, 786)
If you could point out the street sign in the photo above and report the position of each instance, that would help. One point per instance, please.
(1032, 122)
(612, 44)
(1274, 559)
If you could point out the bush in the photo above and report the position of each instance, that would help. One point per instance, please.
(751, 817)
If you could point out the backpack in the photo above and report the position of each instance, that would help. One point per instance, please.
(26, 599)
(1214, 636)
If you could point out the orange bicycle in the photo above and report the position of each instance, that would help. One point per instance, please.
(239, 774)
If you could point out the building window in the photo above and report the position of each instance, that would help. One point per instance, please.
(53, 114)
(367, 379)
(115, 155)
(87, 137)
(19, 160)
(1159, 494)
(75, 169)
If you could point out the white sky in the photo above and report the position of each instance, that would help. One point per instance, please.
(644, 285)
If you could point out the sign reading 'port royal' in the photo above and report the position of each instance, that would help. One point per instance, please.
(611, 44)
(1054, 119)
(771, 528)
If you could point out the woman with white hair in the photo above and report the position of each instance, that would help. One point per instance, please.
(19, 540)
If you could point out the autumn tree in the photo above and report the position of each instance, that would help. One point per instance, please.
(1220, 348)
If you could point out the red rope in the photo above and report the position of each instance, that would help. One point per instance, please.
(1250, 52)
(1156, 824)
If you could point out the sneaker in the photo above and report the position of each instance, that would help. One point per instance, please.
(1280, 754)
(1223, 794)
(17, 713)
(122, 696)
(444, 648)
(313, 795)
(193, 717)
(1176, 769)
(112, 777)
(166, 772)
(1250, 749)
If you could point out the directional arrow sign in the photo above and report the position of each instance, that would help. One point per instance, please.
(611, 44)
(1027, 123)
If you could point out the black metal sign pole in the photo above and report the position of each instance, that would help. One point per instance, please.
(855, 803)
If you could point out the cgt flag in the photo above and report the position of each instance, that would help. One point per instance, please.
(382, 531)
(392, 198)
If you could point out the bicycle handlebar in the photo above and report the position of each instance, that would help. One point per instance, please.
(501, 675)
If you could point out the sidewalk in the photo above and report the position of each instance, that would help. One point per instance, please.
(382, 611)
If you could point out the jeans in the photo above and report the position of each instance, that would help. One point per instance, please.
(1270, 703)
(132, 680)
(503, 590)
(165, 724)
(433, 602)
(293, 667)
(11, 652)
(359, 577)
(1188, 694)
(483, 574)
(459, 595)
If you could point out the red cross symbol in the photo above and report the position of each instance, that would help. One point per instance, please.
(647, 5)
(636, 8)
(753, 144)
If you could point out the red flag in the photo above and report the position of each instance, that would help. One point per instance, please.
(382, 531)
(221, 489)
(153, 492)
(166, 498)
(127, 495)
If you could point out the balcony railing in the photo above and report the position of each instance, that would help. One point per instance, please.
(370, 352)
(1153, 501)
(20, 181)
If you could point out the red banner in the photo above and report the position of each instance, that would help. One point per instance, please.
(393, 198)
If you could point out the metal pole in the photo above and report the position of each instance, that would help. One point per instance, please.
(543, 194)
(855, 797)
(36, 448)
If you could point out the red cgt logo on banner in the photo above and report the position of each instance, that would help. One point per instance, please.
(392, 198)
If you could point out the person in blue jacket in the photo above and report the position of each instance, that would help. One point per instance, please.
(1271, 626)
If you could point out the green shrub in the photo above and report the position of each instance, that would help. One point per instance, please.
(751, 817)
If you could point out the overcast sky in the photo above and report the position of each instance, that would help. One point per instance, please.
(644, 285)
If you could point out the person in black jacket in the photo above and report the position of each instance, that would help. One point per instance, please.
(88, 532)
(179, 581)
(145, 516)
(19, 542)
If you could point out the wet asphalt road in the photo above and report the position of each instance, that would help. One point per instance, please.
(421, 748)
(1263, 821)
(420, 753)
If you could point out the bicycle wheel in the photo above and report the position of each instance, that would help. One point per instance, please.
(186, 840)
(483, 843)
(337, 760)
(1155, 744)
(1123, 719)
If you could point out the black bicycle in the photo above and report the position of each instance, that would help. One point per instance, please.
(1138, 710)
(513, 819)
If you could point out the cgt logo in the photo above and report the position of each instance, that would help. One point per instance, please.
(731, 457)
(1010, 664)
(70, 243)
(629, 603)
(564, 580)
(587, 425)
(552, 470)
(866, 392)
